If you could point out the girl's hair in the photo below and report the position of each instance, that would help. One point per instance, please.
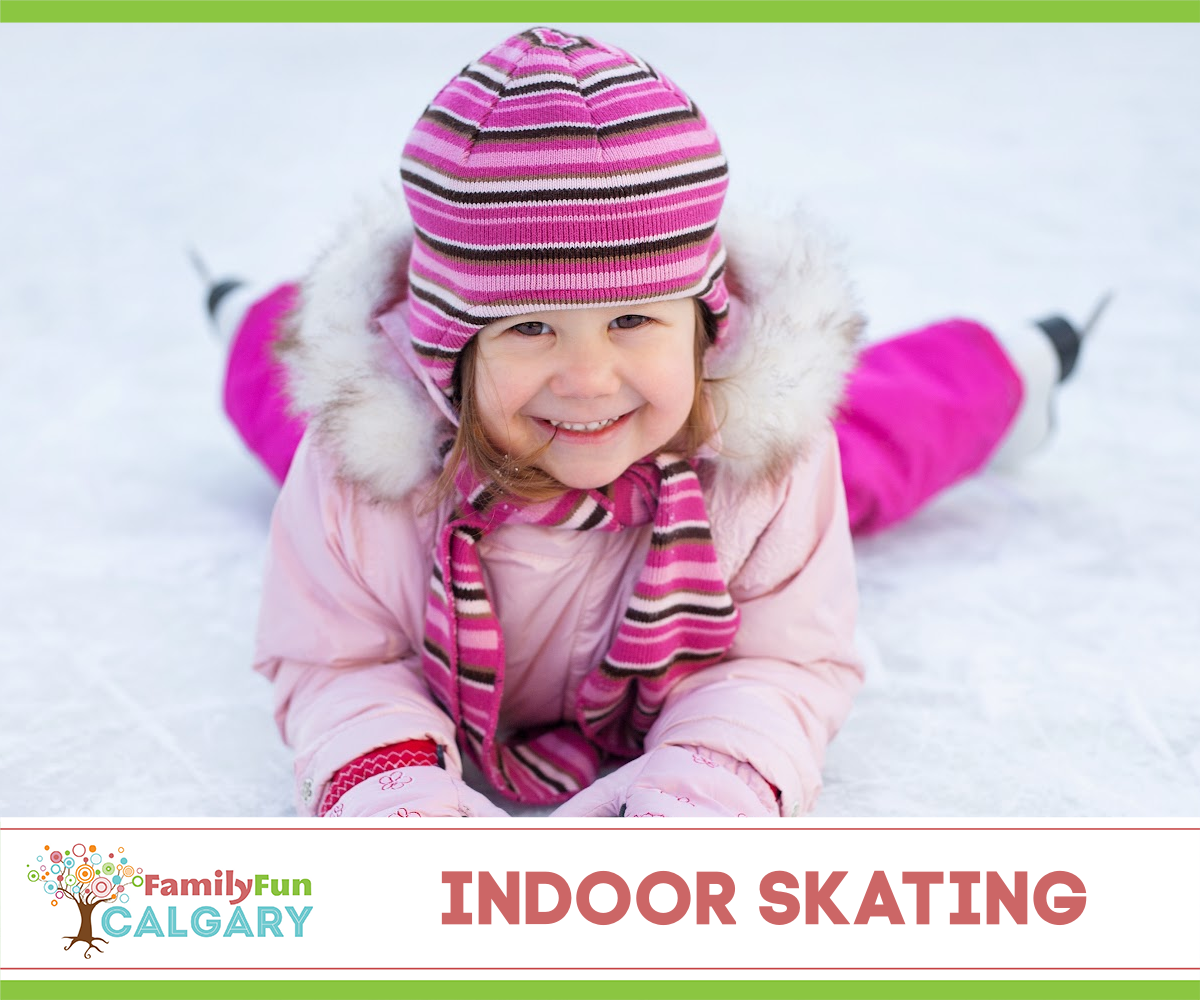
(518, 475)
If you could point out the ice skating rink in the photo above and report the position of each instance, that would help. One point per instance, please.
(1033, 638)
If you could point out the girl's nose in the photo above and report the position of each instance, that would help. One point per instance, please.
(586, 368)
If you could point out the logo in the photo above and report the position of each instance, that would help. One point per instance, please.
(98, 884)
(88, 878)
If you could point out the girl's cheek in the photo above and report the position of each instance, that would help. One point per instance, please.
(658, 356)
(674, 362)
(514, 367)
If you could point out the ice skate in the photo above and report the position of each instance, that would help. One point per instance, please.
(1045, 354)
(225, 301)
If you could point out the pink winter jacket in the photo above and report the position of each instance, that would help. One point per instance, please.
(350, 558)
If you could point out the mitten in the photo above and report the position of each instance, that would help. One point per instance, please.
(677, 782)
(411, 792)
(404, 781)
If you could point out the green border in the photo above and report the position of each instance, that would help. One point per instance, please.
(535, 11)
(516, 989)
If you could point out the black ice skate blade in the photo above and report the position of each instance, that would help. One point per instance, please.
(217, 293)
(217, 290)
(1067, 338)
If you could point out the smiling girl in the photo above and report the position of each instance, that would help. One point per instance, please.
(589, 391)
(565, 491)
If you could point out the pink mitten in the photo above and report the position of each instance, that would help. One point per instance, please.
(676, 781)
(406, 792)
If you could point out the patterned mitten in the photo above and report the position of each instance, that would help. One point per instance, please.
(677, 782)
(403, 781)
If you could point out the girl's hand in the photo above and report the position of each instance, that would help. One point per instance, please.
(411, 792)
(676, 781)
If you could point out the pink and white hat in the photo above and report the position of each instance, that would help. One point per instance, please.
(557, 172)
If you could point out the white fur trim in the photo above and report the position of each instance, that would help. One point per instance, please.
(363, 407)
(794, 328)
(794, 324)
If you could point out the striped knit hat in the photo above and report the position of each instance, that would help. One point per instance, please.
(557, 172)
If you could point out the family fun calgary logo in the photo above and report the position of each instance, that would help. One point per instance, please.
(88, 878)
(99, 884)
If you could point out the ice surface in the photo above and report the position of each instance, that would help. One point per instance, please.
(1033, 638)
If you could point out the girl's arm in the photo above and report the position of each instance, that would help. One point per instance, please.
(789, 678)
(341, 576)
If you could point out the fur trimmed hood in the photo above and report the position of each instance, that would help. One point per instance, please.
(781, 365)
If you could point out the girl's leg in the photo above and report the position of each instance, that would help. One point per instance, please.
(255, 398)
(922, 411)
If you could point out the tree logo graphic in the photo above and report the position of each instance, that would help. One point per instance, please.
(89, 879)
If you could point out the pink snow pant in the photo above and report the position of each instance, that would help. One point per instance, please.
(922, 410)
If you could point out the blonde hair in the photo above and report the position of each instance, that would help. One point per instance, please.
(518, 476)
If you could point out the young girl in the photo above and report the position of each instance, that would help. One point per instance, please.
(565, 491)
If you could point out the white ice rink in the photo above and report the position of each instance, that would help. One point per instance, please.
(1034, 639)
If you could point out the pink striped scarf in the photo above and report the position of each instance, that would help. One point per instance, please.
(680, 618)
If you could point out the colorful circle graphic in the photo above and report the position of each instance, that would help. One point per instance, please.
(55, 869)
(102, 887)
(108, 868)
(85, 873)
(69, 862)
(95, 859)
(33, 876)
(51, 888)
(127, 870)
(137, 880)
(124, 897)
(79, 850)
(56, 856)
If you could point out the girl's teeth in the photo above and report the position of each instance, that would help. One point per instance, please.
(595, 425)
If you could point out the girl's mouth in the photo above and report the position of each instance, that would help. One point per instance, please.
(579, 431)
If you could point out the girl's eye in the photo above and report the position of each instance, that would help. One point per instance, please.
(630, 322)
(531, 329)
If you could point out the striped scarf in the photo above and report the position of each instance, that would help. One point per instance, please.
(680, 618)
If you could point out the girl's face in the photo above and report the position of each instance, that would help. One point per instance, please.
(605, 386)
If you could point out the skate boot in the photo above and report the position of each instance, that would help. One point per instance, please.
(1045, 354)
(225, 300)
